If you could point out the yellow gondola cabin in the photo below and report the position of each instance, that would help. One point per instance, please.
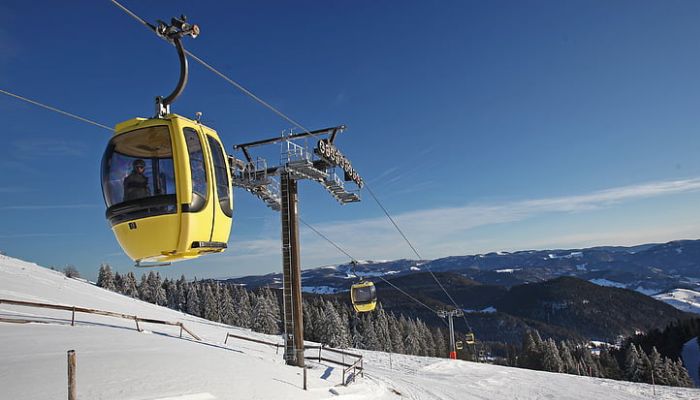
(166, 184)
(363, 296)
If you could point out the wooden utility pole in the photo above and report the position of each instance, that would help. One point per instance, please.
(298, 162)
(72, 388)
(291, 272)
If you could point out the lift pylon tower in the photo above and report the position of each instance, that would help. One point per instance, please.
(449, 315)
(297, 163)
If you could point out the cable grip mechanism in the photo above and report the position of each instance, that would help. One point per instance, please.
(174, 32)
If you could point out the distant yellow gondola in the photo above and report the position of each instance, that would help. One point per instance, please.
(363, 296)
(166, 183)
(469, 338)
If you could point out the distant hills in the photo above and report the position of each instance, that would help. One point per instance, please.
(505, 294)
(649, 268)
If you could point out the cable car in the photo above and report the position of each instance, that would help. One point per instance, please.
(469, 338)
(459, 345)
(166, 183)
(364, 296)
(166, 180)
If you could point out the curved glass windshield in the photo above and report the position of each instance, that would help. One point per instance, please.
(138, 172)
(365, 294)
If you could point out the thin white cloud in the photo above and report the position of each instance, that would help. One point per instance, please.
(33, 235)
(42, 148)
(49, 207)
(441, 231)
(14, 189)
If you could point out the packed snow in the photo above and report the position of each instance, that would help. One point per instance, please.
(609, 283)
(115, 361)
(320, 289)
(682, 299)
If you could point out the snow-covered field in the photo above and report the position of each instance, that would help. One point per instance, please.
(682, 299)
(114, 361)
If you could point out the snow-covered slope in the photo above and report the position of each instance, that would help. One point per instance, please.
(682, 299)
(117, 362)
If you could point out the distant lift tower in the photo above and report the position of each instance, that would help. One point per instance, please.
(297, 162)
(449, 315)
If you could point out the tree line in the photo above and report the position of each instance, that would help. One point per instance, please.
(327, 322)
(629, 363)
(338, 325)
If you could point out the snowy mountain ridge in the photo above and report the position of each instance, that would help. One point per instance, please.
(114, 361)
(682, 299)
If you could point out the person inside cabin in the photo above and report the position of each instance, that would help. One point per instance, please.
(136, 183)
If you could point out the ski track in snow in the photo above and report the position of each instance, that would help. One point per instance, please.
(114, 361)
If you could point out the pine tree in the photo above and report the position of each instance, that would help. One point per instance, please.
(440, 344)
(157, 290)
(264, 318)
(118, 283)
(181, 294)
(531, 356)
(567, 359)
(226, 307)
(609, 367)
(371, 341)
(427, 345)
(244, 308)
(396, 335)
(105, 278)
(335, 332)
(145, 292)
(171, 294)
(684, 379)
(356, 334)
(130, 287)
(210, 306)
(551, 360)
(411, 338)
(592, 367)
(382, 330)
(633, 372)
(192, 304)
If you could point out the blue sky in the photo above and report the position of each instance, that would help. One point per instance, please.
(481, 126)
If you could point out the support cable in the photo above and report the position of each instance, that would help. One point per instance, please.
(54, 109)
(222, 75)
(355, 260)
(416, 251)
(293, 122)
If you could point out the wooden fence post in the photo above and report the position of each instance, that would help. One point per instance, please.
(137, 323)
(72, 388)
(304, 377)
(319, 353)
(72, 320)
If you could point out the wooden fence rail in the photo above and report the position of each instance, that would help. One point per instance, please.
(357, 365)
(75, 309)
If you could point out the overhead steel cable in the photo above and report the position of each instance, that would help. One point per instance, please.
(355, 260)
(290, 120)
(222, 75)
(54, 109)
(386, 212)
